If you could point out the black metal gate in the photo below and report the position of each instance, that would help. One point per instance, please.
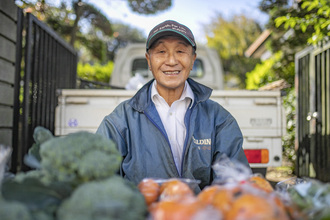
(313, 112)
(49, 64)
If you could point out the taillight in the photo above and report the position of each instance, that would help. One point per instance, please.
(257, 155)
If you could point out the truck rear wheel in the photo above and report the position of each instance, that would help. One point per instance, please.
(262, 171)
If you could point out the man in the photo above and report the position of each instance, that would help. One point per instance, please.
(170, 128)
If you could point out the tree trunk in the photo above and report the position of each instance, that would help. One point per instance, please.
(76, 21)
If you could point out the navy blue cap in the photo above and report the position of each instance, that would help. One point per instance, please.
(170, 28)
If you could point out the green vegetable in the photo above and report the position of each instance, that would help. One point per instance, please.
(63, 164)
(13, 210)
(40, 199)
(40, 135)
(313, 198)
(113, 198)
(79, 157)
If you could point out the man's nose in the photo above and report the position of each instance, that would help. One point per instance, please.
(171, 59)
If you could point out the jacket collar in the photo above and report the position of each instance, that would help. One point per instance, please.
(140, 101)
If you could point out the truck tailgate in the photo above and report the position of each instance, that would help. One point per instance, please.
(259, 114)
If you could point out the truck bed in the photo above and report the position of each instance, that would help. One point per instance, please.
(259, 114)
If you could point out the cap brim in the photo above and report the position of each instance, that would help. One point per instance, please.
(167, 32)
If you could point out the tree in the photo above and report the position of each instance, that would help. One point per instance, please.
(288, 42)
(123, 34)
(149, 6)
(263, 73)
(96, 72)
(294, 26)
(84, 25)
(311, 15)
(93, 16)
(231, 38)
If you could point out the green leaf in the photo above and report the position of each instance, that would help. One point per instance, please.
(325, 24)
(327, 12)
(293, 23)
(280, 20)
(305, 4)
(34, 194)
(303, 27)
(313, 5)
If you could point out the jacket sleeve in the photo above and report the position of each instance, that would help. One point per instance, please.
(229, 141)
(108, 129)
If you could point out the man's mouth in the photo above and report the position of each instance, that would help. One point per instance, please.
(171, 72)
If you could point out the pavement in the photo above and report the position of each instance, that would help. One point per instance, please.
(278, 174)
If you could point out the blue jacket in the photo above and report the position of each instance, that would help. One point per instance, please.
(136, 128)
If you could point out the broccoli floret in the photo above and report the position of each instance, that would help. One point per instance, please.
(40, 135)
(79, 157)
(36, 174)
(112, 198)
(40, 215)
(12, 210)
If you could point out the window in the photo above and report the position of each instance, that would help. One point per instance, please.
(198, 69)
(140, 66)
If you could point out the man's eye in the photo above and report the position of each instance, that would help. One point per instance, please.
(181, 51)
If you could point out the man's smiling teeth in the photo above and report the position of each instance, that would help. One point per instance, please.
(172, 72)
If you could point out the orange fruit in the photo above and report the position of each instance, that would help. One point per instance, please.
(250, 206)
(224, 198)
(294, 212)
(208, 193)
(184, 209)
(175, 189)
(280, 208)
(261, 183)
(149, 188)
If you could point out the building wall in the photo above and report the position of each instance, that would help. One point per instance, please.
(8, 29)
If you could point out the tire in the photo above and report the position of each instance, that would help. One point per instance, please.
(262, 171)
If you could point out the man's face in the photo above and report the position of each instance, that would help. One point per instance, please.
(170, 59)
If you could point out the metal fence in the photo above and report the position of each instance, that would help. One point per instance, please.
(313, 112)
(49, 64)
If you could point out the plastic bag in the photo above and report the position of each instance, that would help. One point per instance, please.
(135, 82)
(5, 153)
(174, 198)
(156, 189)
(237, 193)
(311, 196)
(230, 171)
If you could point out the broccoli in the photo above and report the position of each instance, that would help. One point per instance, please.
(36, 174)
(12, 210)
(41, 200)
(40, 215)
(312, 197)
(112, 198)
(40, 135)
(79, 157)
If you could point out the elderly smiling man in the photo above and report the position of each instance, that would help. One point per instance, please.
(170, 128)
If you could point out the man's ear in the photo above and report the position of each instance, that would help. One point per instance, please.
(148, 59)
(195, 56)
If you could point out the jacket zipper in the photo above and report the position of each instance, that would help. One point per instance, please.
(186, 139)
(168, 142)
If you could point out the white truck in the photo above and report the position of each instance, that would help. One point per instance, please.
(259, 114)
